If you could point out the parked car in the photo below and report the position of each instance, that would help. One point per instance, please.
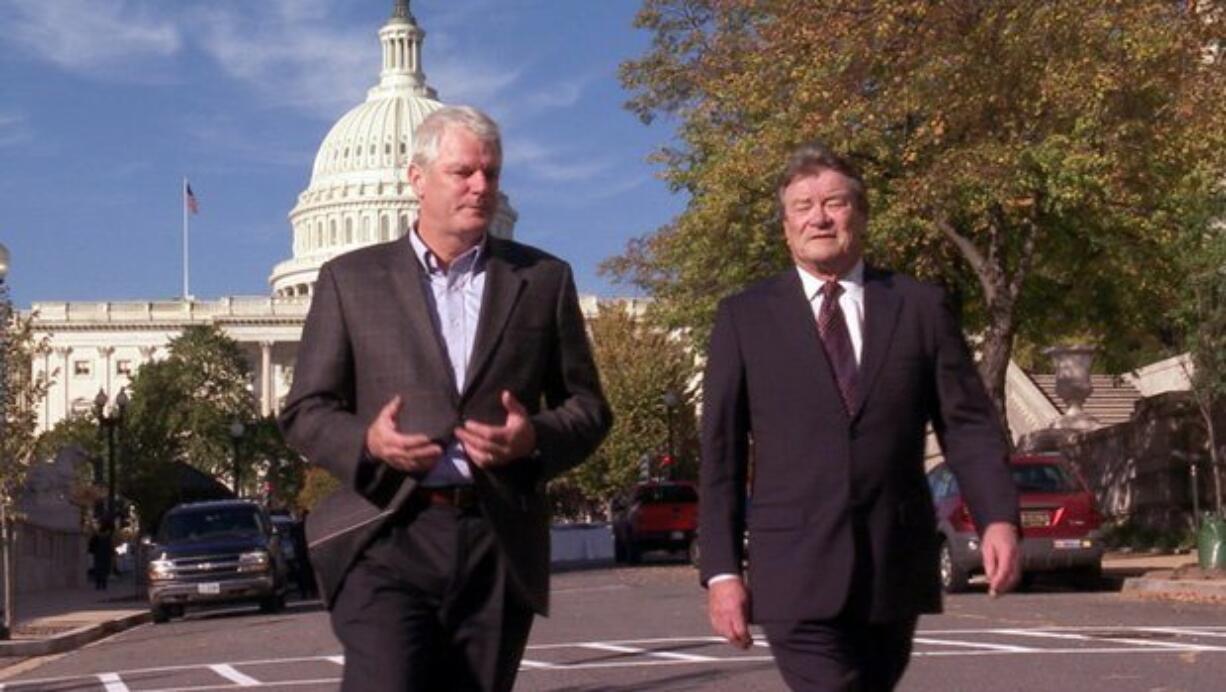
(660, 515)
(1061, 527)
(215, 552)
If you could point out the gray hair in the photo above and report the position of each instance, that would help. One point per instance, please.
(813, 158)
(429, 133)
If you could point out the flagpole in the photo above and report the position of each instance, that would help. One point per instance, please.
(186, 293)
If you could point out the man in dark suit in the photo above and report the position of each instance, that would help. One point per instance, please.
(443, 378)
(825, 377)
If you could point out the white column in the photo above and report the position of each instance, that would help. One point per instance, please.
(64, 352)
(266, 394)
(147, 353)
(106, 352)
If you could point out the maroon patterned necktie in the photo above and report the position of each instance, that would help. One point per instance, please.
(836, 341)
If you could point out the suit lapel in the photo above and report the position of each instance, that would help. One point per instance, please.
(405, 274)
(881, 306)
(502, 289)
(797, 334)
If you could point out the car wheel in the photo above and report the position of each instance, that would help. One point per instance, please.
(633, 554)
(272, 604)
(160, 614)
(953, 579)
(1088, 578)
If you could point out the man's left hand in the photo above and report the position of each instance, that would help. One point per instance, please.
(489, 446)
(1001, 557)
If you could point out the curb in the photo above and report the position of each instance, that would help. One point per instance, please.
(1178, 589)
(73, 639)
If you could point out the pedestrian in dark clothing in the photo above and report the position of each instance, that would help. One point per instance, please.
(102, 549)
(304, 576)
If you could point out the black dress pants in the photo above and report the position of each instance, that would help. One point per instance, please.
(429, 606)
(849, 652)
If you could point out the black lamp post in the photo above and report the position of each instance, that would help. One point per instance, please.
(109, 422)
(236, 435)
(671, 401)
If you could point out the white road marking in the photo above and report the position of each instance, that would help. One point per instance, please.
(976, 645)
(112, 683)
(1118, 640)
(650, 652)
(228, 672)
(669, 655)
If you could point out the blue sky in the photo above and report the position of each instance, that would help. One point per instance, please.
(105, 105)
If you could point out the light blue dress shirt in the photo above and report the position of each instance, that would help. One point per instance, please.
(454, 296)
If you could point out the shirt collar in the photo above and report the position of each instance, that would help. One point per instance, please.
(852, 282)
(466, 262)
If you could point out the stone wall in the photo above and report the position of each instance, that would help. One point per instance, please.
(1140, 470)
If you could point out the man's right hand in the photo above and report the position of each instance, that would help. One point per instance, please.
(411, 453)
(728, 608)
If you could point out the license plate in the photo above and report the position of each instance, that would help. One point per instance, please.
(677, 535)
(1067, 543)
(212, 588)
(1036, 518)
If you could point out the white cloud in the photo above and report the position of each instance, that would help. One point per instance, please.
(296, 58)
(89, 36)
(542, 162)
(12, 129)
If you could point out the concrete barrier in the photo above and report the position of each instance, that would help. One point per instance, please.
(576, 544)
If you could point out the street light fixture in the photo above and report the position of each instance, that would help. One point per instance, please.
(236, 435)
(109, 421)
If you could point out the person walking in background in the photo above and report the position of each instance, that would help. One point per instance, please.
(444, 379)
(827, 376)
(102, 550)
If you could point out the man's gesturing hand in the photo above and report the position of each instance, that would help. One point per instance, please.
(728, 608)
(412, 453)
(1001, 557)
(488, 446)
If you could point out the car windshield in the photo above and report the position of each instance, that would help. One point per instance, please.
(209, 523)
(667, 493)
(1043, 478)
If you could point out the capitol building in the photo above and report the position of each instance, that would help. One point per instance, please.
(359, 194)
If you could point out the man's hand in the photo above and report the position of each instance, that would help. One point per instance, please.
(411, 453)
(1001, 557)
(728, 609)
(489, 446)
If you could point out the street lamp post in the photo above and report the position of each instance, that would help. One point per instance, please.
(236, 435)
(109, 422)
(671, 401)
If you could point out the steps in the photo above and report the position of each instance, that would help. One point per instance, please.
(1111, 402)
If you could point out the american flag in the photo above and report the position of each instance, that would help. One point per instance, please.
(190, 198)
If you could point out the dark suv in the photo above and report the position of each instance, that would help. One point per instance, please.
(661, 515)
(215, 552)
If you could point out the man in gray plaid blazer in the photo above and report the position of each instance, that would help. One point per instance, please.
(443, 379)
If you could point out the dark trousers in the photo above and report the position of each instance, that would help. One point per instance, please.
(847, 653)
(429, 606)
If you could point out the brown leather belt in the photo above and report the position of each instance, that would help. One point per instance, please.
(462, 497)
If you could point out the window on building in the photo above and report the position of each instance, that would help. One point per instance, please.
(123, 367)
(82, 368)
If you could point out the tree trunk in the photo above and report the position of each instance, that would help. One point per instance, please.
(997, 348)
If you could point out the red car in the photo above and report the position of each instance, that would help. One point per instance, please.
(1061, 527)
(661, 515)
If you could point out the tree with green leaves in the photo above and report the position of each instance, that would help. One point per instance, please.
(639, 365)
(21, 392)
(1203, 316)
(1034, 155)
(180, 410)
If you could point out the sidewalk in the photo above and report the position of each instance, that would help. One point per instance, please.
(56, 621)
(49, 622)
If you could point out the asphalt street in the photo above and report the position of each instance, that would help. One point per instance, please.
(643, 628)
